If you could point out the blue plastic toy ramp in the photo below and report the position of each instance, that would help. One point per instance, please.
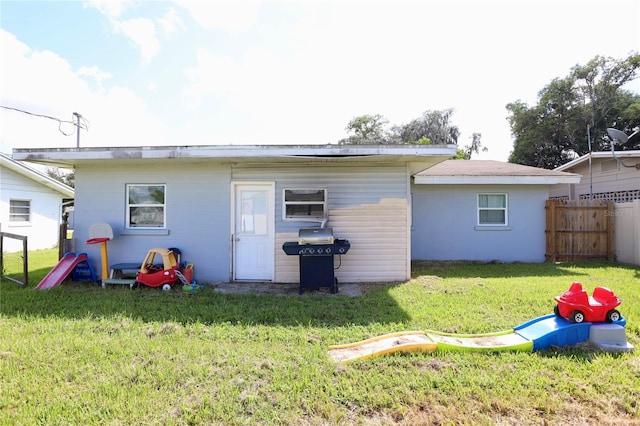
(552, 330)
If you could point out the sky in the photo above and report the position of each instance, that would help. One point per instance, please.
(263, 72)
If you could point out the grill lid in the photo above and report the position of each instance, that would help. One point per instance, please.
(315, 236)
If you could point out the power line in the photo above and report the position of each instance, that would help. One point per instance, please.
(82, 123)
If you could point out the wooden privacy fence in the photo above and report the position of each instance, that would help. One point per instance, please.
(579, 230)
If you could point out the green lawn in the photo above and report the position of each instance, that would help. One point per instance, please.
(79, 354)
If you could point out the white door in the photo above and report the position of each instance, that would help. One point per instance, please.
(253, 239)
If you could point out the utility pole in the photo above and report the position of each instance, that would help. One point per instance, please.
(77, 116)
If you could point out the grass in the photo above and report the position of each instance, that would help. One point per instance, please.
(78, 354)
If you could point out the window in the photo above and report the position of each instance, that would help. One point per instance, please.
(20, 211)
(305, 203)
(492, 210)
(146, 206)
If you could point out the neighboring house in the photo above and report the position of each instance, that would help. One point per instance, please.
(604, 177)
(229, 209)
(614, 178)
(30, 205)
(482, 210)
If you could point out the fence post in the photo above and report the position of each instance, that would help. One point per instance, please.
(611, 241)
(635, 216)
(25, 263)
(550, 207)
(62, 237)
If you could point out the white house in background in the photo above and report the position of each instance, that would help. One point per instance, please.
(604, 177)
(482, 210)
(30, 205)
(230, 209)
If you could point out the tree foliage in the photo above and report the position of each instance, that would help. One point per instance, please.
(574, 111)
(432, 127)
(367, 130)
(66, 177)
(474, 147)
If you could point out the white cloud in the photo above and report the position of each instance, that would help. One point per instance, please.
(43, 83)
(142, 32)
(111, 8)
(171, 22)
(94, 72)
(233, 15)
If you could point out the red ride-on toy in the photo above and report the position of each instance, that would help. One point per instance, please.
(577, 306)
(165, 274)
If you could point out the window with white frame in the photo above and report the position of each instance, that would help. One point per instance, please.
(146, 205)
(492, 209)
(300, 203)
(20, 211)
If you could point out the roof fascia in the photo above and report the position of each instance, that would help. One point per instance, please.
(244, 153)
(36, 176)
(597, 154)
(495, 180)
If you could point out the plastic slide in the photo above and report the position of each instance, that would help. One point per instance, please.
(490, 342)
(537, 334)
(57, 275)
(404, 341)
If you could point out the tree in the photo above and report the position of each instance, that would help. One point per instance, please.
(475, 147)
(366, 130)
(433, 125)
(67, 177)
(573, 110)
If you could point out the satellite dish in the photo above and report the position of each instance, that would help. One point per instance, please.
(617, 135)
(621, 137)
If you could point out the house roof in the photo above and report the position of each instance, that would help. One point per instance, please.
(482, 172)
(69, 157)
(36, 176)
(599, 154)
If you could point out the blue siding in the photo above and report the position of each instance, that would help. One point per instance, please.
(444, 224)
(197, 199)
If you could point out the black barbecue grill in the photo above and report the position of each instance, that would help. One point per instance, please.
(316, 248)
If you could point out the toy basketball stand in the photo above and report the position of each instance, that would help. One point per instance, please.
(100, 233)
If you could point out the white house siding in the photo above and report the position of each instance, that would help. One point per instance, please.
(627, 232)
(42, 230)
(197, 212)
(606, 176)
(447, 226)
(367, 204)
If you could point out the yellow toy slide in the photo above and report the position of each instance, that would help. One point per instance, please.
(404, 341)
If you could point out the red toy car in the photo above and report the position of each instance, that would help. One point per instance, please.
(163, 275)
(577, 306)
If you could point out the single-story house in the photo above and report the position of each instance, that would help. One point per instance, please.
(31, 205)
(230, 209)
(605, 176)
(482, 210)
